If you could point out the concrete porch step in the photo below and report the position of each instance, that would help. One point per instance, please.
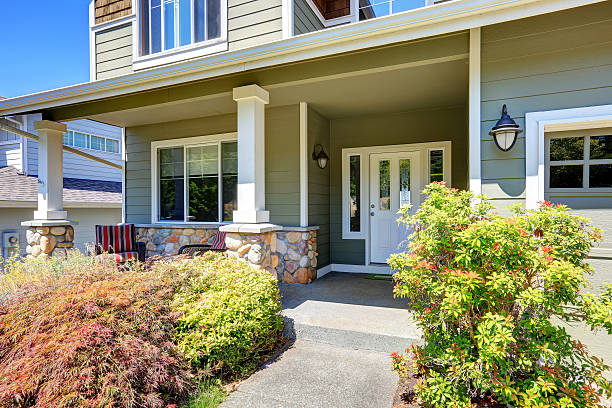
(348, 338)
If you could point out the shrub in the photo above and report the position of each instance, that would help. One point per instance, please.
(485, 290)
(230, 314)
(90, 335)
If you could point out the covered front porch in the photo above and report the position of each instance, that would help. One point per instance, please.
(239, 154)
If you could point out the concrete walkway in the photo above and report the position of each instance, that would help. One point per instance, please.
(344, 327)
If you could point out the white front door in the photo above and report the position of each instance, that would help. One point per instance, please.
(394, 182)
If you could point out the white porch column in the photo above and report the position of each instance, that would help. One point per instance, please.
(251, 101)
(50, 171)
(474, 112)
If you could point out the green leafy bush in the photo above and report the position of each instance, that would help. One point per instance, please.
(485, 290)
(230, 314)
(75, 333)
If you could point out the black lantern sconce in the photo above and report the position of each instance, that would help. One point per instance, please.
(505, 131)
(320, 156)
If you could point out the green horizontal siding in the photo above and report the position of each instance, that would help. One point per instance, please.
(554, 61)
(253, 22)
(113, 52)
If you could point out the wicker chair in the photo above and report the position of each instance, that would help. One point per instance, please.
(217, 245)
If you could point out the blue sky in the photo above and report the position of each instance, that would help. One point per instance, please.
(44, 44)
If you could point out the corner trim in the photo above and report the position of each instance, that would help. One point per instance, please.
(303, 164)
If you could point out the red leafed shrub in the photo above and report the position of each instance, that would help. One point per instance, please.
(93, 336)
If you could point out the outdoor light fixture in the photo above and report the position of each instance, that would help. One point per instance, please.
(505, 131)
(320, 156)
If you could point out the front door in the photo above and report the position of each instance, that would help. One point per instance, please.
(394, 182)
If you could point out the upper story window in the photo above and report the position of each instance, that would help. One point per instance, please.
(169, 24)
(87, 141)
(369, 9)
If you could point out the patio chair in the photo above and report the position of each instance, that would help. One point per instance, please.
(217, 243)
(118, 243)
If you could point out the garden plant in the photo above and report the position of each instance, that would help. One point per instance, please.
(491, 295)
(77, 333)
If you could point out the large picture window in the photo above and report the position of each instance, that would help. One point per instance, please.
(169, 24)
(197, 182)
(579, 161)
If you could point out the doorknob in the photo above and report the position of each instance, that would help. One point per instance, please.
(371, 205)
(372, 213)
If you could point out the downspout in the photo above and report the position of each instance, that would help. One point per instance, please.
(69, 149)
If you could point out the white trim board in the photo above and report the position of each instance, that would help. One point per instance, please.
(537, 124)
(364, 152)
(303, 164)
(474, 161)
(428, 21)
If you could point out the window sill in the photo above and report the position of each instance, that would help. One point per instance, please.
(180, 54)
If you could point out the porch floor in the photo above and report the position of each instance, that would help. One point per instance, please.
(344, 326)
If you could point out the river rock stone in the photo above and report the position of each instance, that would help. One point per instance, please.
(47, 243)
(293, 254)
(69, 233)
(281, 247)
(233, 241)
(288, 278)
(243, 250)
(294, 236)
(256, 254)
(301, 275)
(64, 245)
(188, 232)
(291, 266)
(273, 242)
(42, 230)
(304, 261)
(59, 230)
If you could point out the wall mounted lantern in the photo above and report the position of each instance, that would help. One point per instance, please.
(505, 131)
(320, 156)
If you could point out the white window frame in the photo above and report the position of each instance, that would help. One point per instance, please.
(364, 153)
(185, 143)
(537, 124)
(193, 50)
(586, 161)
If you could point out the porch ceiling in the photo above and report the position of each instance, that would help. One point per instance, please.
(396, 89)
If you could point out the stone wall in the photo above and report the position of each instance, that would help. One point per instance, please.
(167, 241)
(289, 255)
(49, 240)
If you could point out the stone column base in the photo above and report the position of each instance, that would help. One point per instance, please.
(49, 238)
(290, 255)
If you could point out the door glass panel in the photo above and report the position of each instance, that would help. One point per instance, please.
(355, 193)
(566, 176)
(156, 28)
(436, 167)
(384, 197)
(601, 147)
(171, 184)
(404, 190)
(184, 22)
(567, 148)
(203, 173)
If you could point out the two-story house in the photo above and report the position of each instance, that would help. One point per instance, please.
(91, 190)
(301, 126)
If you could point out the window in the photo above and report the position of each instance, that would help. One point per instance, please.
(377, 8)
(197, 182)
(86, 141)
(580, 161)
(355, 193)
(436, 165)
(169, 24)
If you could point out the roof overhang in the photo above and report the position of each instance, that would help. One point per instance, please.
(428, 21)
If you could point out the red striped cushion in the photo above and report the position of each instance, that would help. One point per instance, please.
(218, 241)
(126, 256)
(116, 238)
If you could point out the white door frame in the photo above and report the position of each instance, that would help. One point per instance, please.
(364, 153)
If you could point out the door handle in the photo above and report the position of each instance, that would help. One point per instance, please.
(372, 213)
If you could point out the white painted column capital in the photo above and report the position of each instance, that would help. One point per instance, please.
(251, 100)
(50, 170)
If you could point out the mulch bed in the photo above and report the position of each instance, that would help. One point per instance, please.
(405, 397)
